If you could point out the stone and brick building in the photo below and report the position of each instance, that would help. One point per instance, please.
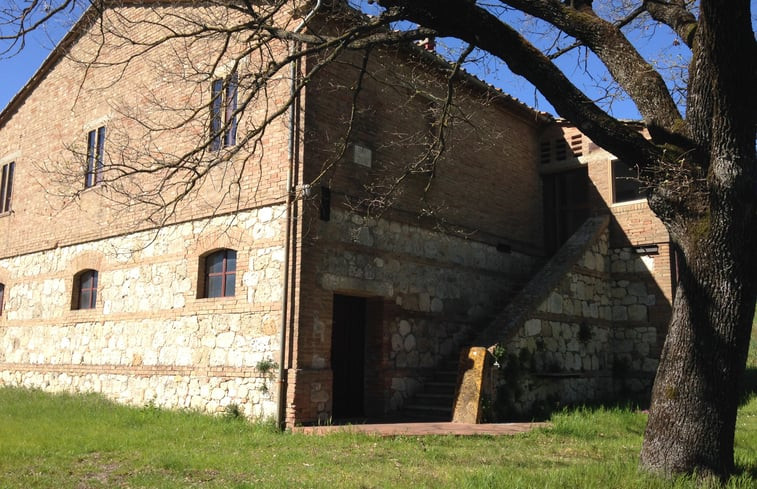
(274, 285)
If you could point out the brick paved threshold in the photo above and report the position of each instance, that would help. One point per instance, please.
(424, 429)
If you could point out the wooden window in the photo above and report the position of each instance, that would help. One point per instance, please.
(6, 187)
(230, 136)
(626, 186)
(85, 290)
(216, 116)
(223, 108)
(95, 157)
(2, 297)
(219, 273)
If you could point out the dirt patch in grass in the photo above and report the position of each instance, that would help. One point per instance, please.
(96, 471)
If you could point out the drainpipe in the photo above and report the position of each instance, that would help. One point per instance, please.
(281, 400)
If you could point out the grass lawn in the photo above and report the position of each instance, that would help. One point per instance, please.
(83, 442)
(752, 359)
(80, 442)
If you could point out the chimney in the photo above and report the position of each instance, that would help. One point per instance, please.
(429, 44)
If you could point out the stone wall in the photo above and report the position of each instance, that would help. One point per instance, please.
(434, 288)
(587, 338)
(150, 339)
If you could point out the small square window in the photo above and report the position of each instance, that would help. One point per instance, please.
(626, 186)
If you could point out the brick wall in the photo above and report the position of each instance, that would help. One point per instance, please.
(46, 135)
(435, 262)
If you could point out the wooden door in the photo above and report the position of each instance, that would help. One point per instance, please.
(348, 356)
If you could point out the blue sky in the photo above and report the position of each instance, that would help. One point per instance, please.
(17, 70)
(17, 67)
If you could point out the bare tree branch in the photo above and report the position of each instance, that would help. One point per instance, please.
(619, 24)
(675, 15)
(475, 25)
(23, 21)
(632, 72)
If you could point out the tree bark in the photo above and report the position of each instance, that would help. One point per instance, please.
(695, 396)
(692, 416)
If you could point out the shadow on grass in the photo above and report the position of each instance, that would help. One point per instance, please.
(749, 386)
(543, 411)
(744, 472)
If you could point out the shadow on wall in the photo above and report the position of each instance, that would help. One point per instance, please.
(589, 327)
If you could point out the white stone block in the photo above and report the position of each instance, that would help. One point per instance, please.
(532, 327)
(619, 313)
(404, 327)
(637, 313)
(410, 343)
(225, 340)
(424, 302)
(555, 303)
(265, 214)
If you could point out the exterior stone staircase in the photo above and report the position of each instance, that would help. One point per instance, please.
(436, 397)
(433, 402)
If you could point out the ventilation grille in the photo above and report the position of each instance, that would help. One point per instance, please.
(576, 145)
(561, 150)
(564, 148)
(545, 152)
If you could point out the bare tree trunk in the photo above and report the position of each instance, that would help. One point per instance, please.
(712, 217)
(695, 397)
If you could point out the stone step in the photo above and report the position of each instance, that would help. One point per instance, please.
(439, 398)
(445, 376)
(434, 400)
(439, 387)
(429, 408)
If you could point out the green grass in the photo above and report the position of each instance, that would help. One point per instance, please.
(81, 442)
(752, 359)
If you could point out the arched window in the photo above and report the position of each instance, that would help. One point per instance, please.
(219, 273)
(85, 290)
(2, 298)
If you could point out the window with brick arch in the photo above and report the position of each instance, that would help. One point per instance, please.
(85, 290)
(219, 272)
(2, 298)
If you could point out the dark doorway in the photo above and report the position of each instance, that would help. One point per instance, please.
(348, 356)
(566, 205)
